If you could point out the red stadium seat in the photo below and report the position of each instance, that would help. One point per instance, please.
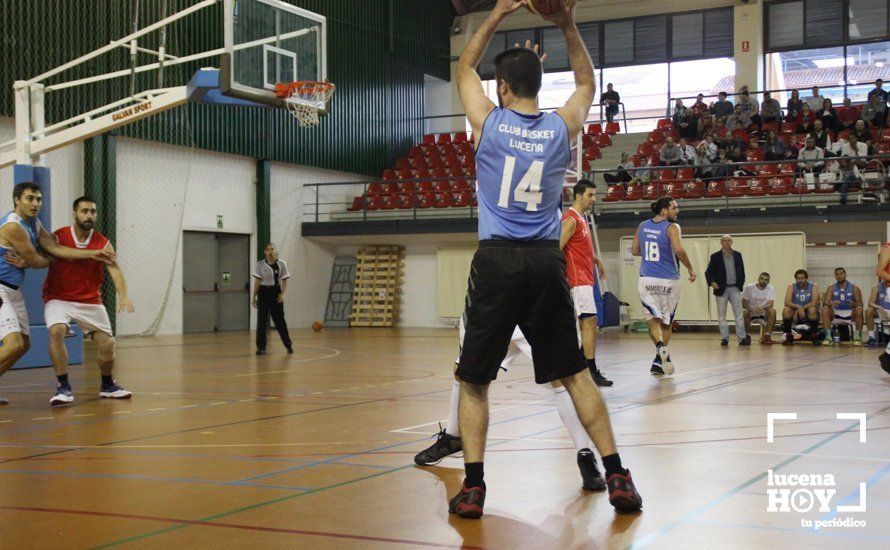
(695, 189)
(656, 136)
(358, 203)
(612, 128)
(443, 186)
(465, 148)
(645, 149)
(408, 187)
(716, 189)
(738, 187)
(376, 203)
(754, 155)
(653, 191)
(417, 151)
(463, 199)
(393, 202)
(664, 124)
(402, 162)
(675, 190)
(448, 149)
(461, 185)
(418, 162)
(452, 161)
(391, 188)
(740, 134)
(409, 201)
(470, 171)
(375, 188)
(388, 174)
(759, 187)
(455, 171)
(427, 200)
(615, 193)
(426, 186)
(721, 132)
(587, 140)
(421, 173)
(460, 137)
(770, 126)
(603, 140)
(780, 186)
(594, 129)
(788, 168)
(593, 152)
(768, 169)
(800, 187)
(663, 174)
(444, 138)
(429, 138)
(444, 200)
(404, 174)
(686, 173)
(634, 192)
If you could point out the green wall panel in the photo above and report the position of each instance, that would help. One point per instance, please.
(378, 53)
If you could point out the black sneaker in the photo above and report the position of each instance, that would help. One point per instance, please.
(666, 364)
(885, 362)
(290, 349)
(261, 352)
(746, 341)
(598, 377)
(592, 479)
(468, 502)
(656, 366)
(789, 339)
(724, 343)
(623, 494)
(445, 445)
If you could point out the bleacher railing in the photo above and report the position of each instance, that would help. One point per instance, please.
(752, 93)
(752, 184)
(590, 120)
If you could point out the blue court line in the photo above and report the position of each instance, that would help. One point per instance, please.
(152, 478)
(800, 531)
(689, 516)
(853, 497)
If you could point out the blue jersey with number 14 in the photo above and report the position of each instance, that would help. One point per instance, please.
(521, 163)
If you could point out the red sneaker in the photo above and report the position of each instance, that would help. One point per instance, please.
(623, 494)
(468, 502)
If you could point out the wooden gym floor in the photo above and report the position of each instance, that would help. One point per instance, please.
(221, 448)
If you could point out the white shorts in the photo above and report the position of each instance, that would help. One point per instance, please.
(518, 346)
(883, 314)
(13, 314)
(582, 297)
(843, 315)
(90, 317)
(660, 297)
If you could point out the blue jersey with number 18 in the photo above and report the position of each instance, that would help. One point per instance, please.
(521, 163)
(658, 254)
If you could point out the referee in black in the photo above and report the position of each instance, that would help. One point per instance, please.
(269, 287)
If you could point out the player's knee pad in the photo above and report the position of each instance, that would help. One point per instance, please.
(106, 350)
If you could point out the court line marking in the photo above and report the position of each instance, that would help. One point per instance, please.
(688, 517)
(238, 526)
(853, 497)
(335, 353)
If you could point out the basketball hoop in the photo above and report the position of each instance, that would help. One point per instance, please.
(305, 99)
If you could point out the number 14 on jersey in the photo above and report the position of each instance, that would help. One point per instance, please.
(528, 190)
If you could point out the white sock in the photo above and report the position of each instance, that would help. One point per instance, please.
(570, 418)
(871, 333)
(453, 426)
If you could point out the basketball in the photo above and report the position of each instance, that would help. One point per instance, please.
(317, 326)
(544, 7)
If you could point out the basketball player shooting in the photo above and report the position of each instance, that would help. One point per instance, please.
(517, 277)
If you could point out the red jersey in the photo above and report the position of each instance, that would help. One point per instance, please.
(579, 252)
(76, 280)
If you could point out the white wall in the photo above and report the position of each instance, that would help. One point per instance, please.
(437, 100)
(310, 263)
(163, 190)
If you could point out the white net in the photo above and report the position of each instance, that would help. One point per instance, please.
(307, 99)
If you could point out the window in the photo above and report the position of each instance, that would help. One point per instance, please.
(619, 43)
(868, 19)
(688, 37)
(865, 64)
(824, 22)
(704, 76)
(643, 90)
(784, 24)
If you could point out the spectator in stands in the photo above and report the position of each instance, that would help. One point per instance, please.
(864, 135)
(828, 116)
(750, 108)
(721, 131)
(848, 168)
(712, 145)
(722, 108)
(687, 152)
(812, 154)
(794, 107)
(702, 112)
(852, 147)
(625, 171)
(879, 91)
(806, 119)
(722, 164)
(670, 153)
(822, 136)
(815, 100)
(692, 128)
(736, 150)
(703, 158)
(738, 119)
(774, 148)
(770, 109)
(847, 115)
(610, 100)
(874, 113)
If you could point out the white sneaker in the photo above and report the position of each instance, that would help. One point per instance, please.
(63, 396)
(666, 364)
(114, 392)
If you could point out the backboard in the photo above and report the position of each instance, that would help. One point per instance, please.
(269, 42)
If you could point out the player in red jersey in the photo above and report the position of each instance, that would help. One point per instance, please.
(580, 259)
(71, 292)
(883, 272)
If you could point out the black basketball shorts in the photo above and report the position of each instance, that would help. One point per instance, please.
(519, 283)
